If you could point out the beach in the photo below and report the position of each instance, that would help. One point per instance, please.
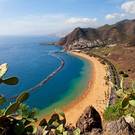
(94, 95)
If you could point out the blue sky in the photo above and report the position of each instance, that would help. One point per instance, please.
(41, 17)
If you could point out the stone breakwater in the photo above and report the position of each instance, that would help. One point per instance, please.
(49, 77)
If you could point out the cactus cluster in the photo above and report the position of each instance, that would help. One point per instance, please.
(128, 96)
(11, 121)
(57, 126)
(8, 81)
(18, 119)
(125, 102)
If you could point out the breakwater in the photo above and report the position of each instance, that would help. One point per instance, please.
(49, 77)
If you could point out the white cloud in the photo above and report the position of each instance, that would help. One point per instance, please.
(74, 20)
(129, 7)
(115, 16)
(42, 24)
(30, 24)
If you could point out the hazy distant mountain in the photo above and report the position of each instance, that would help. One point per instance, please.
(122, 32)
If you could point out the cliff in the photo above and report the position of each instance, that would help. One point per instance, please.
(122, 32)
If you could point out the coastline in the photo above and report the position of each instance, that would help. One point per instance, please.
(94, 95)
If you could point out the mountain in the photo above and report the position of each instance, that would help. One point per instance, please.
(122, 32)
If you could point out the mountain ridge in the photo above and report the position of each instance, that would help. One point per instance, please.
(122, 32)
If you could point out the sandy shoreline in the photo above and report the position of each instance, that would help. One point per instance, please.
(94, 95)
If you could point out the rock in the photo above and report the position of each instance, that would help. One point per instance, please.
(90, 122)
(39, 131)
(94, 132)
(118, 127)
(129, 119)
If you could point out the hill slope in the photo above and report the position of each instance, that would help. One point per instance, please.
(122, 32)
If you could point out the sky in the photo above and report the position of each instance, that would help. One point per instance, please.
(48, 17)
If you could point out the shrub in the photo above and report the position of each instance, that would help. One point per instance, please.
(56, 125)
(121, 72)
(125, 75)
(125, 104)
(113, 112)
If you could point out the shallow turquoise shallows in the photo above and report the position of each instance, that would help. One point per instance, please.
(32, 62)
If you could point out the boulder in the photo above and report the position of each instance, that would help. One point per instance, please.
(118, 127)
(90, 122)
(129, 119)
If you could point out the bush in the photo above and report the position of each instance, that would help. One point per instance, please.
(125, 75)
(113, 112)
(125, 104)
(121, 72)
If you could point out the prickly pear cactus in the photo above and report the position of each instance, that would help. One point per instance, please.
(22, 97)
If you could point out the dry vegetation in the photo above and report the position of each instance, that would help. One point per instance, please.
(123, 57)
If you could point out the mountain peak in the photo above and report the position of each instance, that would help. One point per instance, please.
(122, 32)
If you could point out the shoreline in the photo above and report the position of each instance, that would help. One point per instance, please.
(93, 95)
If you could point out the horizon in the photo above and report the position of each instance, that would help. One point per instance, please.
(46, 17)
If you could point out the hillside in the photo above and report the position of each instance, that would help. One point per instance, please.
(115, 42)
(122, 32)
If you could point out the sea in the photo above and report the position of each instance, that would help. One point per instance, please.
(29, 58)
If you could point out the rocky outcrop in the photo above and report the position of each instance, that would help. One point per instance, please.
(90, 122)
(118, 127)
(122, 32)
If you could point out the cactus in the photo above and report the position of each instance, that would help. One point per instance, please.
(22, 97)
(43, 123)
(10, 81)
(132, 102)
(3, 69)
(125, 102)
(77, 131)
(56, 126)
(128, 96)
(2, 100)
(30, 129)
(11, 109)
(128, 100)
(18, 119)
(60, 129)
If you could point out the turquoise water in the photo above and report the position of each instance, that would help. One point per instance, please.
(32, 63)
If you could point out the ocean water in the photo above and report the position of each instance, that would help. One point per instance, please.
(31, 62)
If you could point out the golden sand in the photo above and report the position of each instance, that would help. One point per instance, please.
(95, 93)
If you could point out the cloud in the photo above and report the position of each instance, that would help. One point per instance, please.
(127, 11)
(32, 24)
(115, 16)
(81, 21)
(129, 7)
(42, 24)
